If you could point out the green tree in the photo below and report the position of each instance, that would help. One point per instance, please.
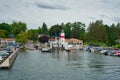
(55, 30)
(39, 30)
(6, 27)
(32, 34)
(113, 34)
(67, 29)
(18, 27)
(107, 33)
(118, 30)
(78, 30)
(21, 38)
(3, 33)
(44, 29)
(97, 32)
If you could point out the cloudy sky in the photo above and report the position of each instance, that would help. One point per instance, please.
(35, 12)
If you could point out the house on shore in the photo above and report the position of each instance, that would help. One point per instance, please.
(6, 41)
(74, 43)
(69, 43)
(66, 43)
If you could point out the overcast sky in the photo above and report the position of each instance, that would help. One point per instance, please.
(35, 12)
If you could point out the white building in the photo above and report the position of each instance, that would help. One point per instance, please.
(6, 41)
(74, 43)
(66, 43)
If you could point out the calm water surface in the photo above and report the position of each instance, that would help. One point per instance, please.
(60, 65)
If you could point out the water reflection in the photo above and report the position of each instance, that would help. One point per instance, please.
(63, 55)
(93, 63)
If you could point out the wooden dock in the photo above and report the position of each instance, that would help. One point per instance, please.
(9, 61)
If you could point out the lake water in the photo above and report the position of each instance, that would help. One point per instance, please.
(61, 65)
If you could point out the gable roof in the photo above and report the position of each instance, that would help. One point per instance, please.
(73, 40)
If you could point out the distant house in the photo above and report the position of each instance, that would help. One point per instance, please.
(69, 43)
(6, 41)
(74, 43)
(117, 40)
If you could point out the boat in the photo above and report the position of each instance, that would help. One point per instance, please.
(10, 51)
(4, 55)
(103, 51)
(45, 50)
(69, 49)
(117, 53)
(110, 53)
(31, 48)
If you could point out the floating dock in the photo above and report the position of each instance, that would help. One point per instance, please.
(9, 61)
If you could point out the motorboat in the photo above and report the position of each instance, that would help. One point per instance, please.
(45, 50)
(117, 53)
(103, 51)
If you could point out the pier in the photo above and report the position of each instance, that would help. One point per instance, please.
(7, 63)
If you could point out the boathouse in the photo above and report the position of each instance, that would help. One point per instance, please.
(74, 43)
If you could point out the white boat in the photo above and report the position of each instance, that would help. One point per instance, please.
(45, 50)
(69, 48)
(103, 51)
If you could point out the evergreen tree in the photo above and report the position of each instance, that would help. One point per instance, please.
(32, 34)
(44, 29)
(55, 30)
(67, 29)
(78, 30)
(118, 30)
(39, 30)
(97, 32)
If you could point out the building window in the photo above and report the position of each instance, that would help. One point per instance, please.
(77, 43)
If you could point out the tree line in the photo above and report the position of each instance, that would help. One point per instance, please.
(96, 33)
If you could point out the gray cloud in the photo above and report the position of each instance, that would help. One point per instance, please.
(116, 19)
(104, 16)
(111, 4)
(66, 10)
(51, 6)
(91, 18)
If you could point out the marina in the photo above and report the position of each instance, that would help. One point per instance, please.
(60, 40)
(62, 65)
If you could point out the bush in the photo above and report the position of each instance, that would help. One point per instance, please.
(117, 46)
